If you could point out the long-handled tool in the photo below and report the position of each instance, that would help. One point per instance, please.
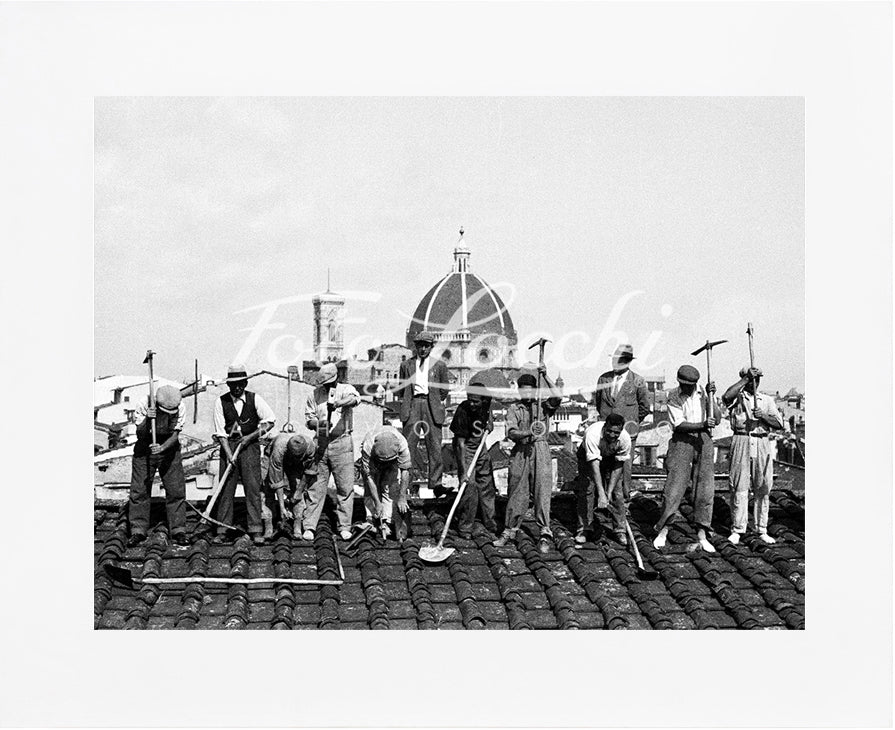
(291, 374)
(751, 333)
(206, 515)
(125, 577)
(148, 359)
(439, 553)
(642, 572)
(539, 427)
(708, 347)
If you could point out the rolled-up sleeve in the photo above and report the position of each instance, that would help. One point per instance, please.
(275, 475)
(592, 443)
(404, 461)
(220, 426)
(624, 442)
(675, 412)
(181, 416)
(265, 412)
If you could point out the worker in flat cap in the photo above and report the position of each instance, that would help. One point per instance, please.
(385, 466)
(161, 454)
(423, 384)
(528, 423)
(624, 392)
(291, 465)
(601, 458)
(330, 413)
(752, 417)
(471, 423)
(693, 413)
(241, 418)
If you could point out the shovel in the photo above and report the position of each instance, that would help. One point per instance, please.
(439, 553)
(642, 572)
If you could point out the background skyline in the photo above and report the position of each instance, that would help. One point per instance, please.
(205, 208)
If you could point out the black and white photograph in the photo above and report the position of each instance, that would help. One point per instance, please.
(406, 320)
(449, 363)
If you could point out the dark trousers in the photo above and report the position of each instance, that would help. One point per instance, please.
(530, 470)
(690, 457)
(169, 464)
(247, 469)
(479, 494)
(587, 490)
(421, 420)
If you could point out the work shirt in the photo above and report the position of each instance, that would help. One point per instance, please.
(366, 449)
(265, 412)
(421, 377)
(334, 422)
(740, 414)
(472, 423)
(597, 447)
(520, 415)
(141, 409)
(683, 409)
(281, 464)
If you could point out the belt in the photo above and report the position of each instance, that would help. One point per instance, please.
(421, 395)
(753, 435)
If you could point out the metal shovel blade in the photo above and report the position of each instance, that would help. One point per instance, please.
(435, 554)
(120, 575)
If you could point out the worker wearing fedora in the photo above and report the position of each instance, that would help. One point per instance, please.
(163, 457)
(751, 452)
(693, 414)
(241, 417)
(330, 413)
(423, 383)
(290, 465)
(386, 464)
(624, 392)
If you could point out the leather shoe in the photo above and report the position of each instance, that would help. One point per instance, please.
(181, 539)
(136, 539)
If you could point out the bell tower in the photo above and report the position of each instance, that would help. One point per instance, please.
(329, 320)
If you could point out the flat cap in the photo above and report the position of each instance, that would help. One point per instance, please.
(425, 336)
(168, 398)
(744, 371)
(687, 374)
(299, 446)
(387, 445)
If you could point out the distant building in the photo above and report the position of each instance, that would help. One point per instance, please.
(472, 327)
(329, 322)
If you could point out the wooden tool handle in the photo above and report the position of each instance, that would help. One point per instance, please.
(221, 482)
(469, 469)
(152, 401)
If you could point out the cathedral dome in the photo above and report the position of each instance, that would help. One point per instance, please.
(461, 306)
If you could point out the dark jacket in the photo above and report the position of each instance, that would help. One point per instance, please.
(632, 401)
(438, 388)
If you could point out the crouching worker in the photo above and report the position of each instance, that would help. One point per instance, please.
(471, 423)
(530, 466)
(602, 456)
(385, 465)
(162, 456)
(290, 465)
(691, 453)
(752, 415)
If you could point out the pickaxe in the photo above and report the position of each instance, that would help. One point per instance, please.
(541, 427)
(709, 411)
(751, 332)
(148, 359)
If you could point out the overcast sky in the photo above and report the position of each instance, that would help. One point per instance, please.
(682, 216)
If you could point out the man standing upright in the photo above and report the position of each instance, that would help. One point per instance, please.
(164, 457)
(623, 391)
(423, 385)
(241, 417)
(691, 455)
(752, 414)
(330, 412)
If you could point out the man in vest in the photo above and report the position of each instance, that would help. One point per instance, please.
(241, 417)
(290, 464)
(423, 386)
(624, 392)
(385, 464)
(752, 415)
(693, 414)
(163, 456)
(330, 413)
